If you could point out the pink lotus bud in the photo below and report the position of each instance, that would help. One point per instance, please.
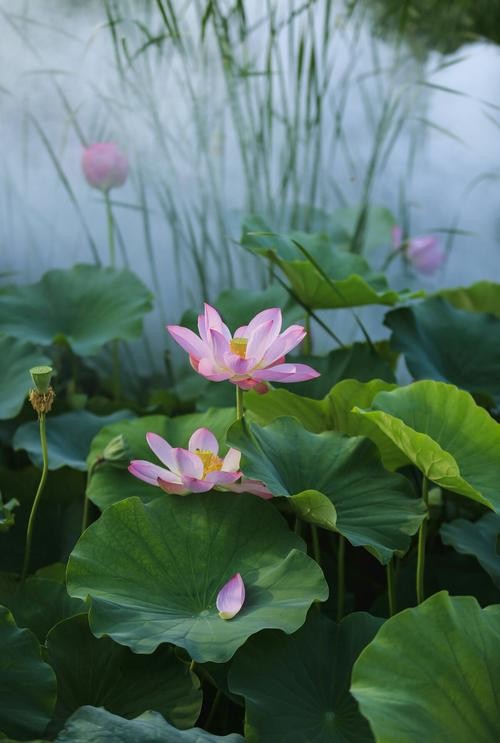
(425, 253)
(231, 597)
(104, 165)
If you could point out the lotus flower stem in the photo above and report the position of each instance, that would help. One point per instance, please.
(34, 507)
(307, 342)
(213, 709)
(297, 527)
(340, 577)
(422, 536)
(391, 588)
(239, 403)
(315, 544)
(111, 229)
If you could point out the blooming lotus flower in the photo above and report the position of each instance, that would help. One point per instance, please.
(254, 355)
(104, 165)
(196, 469)
(231, 597)
(423, 252)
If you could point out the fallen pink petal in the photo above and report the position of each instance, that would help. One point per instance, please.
(253, 356)
(231, 597)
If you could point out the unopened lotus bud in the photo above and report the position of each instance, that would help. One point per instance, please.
(117, 451)
(104, 165)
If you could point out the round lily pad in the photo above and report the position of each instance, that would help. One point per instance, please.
(102, 673)
(27, 683)
(305, 696)
(441, 430)
(18, 356)
(431, 674)
(332, 481)
(154, 570)
(84, 306)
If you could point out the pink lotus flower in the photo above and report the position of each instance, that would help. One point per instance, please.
(423, 252)
(104, 165)
(231, 597)
(254, 355)
(196, 469)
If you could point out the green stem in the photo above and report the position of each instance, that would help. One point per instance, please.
(41, 485)
(422, 536)
(111, 229)
(116, 381)
(239, 403)
(297, 527)
(307, 342)
(213, 709)
(315, 544)
(391, 589)
(340, 577)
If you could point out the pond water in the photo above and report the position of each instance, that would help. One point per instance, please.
(293, 104)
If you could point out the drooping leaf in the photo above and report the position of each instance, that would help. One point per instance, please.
(93, 725)
(441, 430)
(84, 306)
(479, 538)
(110, 484)
(483, 296)
(101, 673)
(68, 437)
(450, 345)
(154, 571)
(431, 673)
(27, 683)
(18, 357)
(305, 695)
(39, 603)
(354, 284)
(333, 481)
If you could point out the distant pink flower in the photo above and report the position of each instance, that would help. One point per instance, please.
(423, 252)
(196, 469)
(104, 165)
(231, 597)
(255, 354)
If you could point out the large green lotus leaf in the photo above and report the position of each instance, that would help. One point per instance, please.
(483, 296)
(238, 306)
(480, 538)
(450, 345)
(333, 481)
(111, 484)
(352, 283)
(94, 725)
(18, 357)
(39, 603)
(27, 683)
(297, 688)
(442, 431)
(431, 674)
(359, 361)
(58, 519)
(264, 409)
(68, 437)
(154, 571)
(84, 306)
(102, 673)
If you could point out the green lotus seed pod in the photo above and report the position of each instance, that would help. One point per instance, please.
(41, 376)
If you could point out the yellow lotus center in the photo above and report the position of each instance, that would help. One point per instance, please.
(239, 346)
(211, 462)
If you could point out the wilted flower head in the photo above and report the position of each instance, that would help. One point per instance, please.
(423, 252)
(255, 354)
(231, 597)
(104, 165)
(196, 469)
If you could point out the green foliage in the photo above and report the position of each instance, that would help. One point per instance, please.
(18, 356)
(442, 431)
(68, 437)
(83, 307)
(332, 481)
(431, 673)
(171, 557)
(123, 682)
(479, 538)
(27, 683)
(307, 678)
